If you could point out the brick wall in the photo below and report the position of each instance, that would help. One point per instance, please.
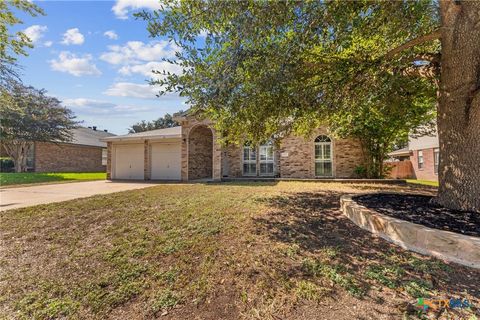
(50, 157)
(200, 146)
(348, 155)
(294, 158)
(428, 170)
(189, 124)
(109, 160)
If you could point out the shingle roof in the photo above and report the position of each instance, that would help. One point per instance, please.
(174, 132)
(89, 137)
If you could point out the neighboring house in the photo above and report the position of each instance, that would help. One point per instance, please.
(424, 156)
(192, 151)
(84, 153)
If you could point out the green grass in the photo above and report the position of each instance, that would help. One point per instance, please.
(423, 182)
(252, 250)
(10, 179)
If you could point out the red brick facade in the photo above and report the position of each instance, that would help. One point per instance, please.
(63, 157)
(427, 172)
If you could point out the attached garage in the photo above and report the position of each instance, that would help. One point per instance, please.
(150, 155)
(166, 161)
(128, 161)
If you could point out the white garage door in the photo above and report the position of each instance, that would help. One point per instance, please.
(166, 161)
(129, 162)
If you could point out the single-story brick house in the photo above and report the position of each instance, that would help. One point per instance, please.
(192, 151)
(84, 153)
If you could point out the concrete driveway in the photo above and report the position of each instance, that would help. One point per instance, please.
(11, 198)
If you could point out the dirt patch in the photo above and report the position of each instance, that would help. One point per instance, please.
(419, 209)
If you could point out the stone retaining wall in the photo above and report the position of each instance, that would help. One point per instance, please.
(445, 245)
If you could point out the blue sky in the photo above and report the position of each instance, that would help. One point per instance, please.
(96, 58)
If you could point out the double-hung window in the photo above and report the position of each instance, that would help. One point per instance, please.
(420, 159)
(323, 156)
(436, 160)
(249, 161)
(266, 160)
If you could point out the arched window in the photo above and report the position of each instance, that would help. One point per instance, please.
(323, 156)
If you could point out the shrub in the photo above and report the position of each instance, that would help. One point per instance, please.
(6, 164)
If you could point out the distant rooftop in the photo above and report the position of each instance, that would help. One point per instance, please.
(89, 137)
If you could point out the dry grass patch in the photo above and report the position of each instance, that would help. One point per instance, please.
(214, 251)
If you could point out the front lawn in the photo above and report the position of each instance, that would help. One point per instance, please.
(214, 251)
(423, 182)
(8, 179)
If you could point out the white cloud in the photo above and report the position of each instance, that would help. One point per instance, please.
(48, 43)
(135, 90)
(111, 34)
(123, 7)
(73, 36)
(84, 102)
(99, 107)
(35, 32)
(137, 51)
(75, 65)
(147, 68)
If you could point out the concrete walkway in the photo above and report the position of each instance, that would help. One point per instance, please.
(11, 198)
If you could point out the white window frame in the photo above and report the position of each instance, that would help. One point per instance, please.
(322, 159)
(436, 160)
(263, 149)
(249, 161)
(104, 156)
(421, 163)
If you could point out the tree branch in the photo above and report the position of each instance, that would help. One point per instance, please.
(422, 39)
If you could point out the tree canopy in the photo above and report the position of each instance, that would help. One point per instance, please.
(267, 68)
(166, 121)
(13, 44)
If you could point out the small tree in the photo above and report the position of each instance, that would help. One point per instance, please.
(166, 121)
(386, 119)
(30, 115)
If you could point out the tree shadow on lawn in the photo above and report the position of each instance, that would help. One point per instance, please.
(314, 222)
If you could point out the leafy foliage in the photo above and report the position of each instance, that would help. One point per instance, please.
(268, 68)
(166, 121)
(12, 44)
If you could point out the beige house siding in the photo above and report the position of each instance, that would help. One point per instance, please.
(63, 157)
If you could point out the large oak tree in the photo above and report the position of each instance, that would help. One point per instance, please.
(262, 68)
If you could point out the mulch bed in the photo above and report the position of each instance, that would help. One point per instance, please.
(419, 209)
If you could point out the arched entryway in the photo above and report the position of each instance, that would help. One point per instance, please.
(200, 153)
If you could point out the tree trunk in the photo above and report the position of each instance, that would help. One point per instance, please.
(459, 106)
(18, 151)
